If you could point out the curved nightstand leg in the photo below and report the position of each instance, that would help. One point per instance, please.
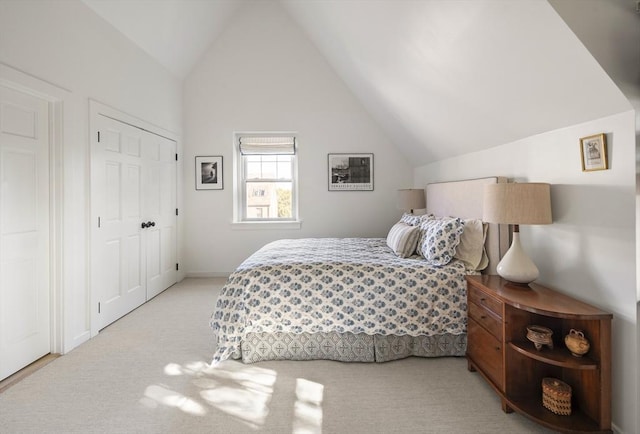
(505, 406)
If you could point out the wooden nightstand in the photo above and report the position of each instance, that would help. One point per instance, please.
(498, 314)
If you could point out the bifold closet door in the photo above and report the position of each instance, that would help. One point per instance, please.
(159, 209)
(117, 262)
(133, 196)
(25, 325)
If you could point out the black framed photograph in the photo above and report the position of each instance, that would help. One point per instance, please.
(350, 172)
(593, 151)
(209, 173)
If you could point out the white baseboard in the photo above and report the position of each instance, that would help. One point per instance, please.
(206, 274)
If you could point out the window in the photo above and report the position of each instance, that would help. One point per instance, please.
(267, 178)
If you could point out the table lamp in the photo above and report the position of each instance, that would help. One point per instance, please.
(517, 204)
(410, 199)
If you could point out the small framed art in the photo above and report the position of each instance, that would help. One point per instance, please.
(350, 172)
(209, 173)
(593, 151)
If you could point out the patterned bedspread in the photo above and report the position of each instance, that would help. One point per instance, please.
(355, 285)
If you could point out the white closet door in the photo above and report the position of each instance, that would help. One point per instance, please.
(24, 230)
(117, 263)
(133, 196)
(160, 209)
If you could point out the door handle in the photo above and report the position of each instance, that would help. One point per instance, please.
(147, 224)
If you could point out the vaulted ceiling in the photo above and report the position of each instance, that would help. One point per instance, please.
(443, 78)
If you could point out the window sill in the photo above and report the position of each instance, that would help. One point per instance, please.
(250, 226)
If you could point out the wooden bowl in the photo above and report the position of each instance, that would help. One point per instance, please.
(540, 336)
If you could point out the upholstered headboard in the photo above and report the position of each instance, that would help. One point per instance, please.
(464, 199)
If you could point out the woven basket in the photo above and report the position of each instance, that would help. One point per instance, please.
(556, 396)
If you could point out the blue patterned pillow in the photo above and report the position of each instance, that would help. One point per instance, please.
(439, 239)
(410, 219)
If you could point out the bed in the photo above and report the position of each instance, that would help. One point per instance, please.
(362, 299)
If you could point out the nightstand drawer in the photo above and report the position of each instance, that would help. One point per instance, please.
(481, 299)
(487, 319)
(485, 351)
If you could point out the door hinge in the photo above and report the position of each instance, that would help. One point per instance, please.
(177, 267)
(176, 211)
(98, 136)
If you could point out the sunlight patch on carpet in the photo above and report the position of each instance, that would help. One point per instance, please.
(241, 391)
(193, 368)
(158, 394)
(308, 407)
(173, 369)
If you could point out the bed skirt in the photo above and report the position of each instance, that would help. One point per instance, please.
(348, 347)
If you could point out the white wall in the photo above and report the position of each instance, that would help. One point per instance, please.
(262, 74)
(589, 250)
(68, 45)
(610, 30)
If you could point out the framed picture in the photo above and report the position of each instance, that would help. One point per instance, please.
(593, 151)
(350, 172)
(209, 173)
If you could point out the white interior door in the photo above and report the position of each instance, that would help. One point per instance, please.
(25, 326)
(160, 210)
(133, 189)
(117, 263)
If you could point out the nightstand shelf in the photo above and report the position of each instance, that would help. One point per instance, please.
(557, 356)
(499, 313)
(578, 422)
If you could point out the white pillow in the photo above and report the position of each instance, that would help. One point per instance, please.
(439, 239)
(402, 239)
(471, 248)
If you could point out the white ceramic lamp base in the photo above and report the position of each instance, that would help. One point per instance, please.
(515, 265)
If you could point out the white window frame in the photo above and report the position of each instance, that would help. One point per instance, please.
(240, 220)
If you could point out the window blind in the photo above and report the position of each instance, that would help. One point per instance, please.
(267, 145)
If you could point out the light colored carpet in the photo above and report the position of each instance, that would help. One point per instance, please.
(148, 373)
